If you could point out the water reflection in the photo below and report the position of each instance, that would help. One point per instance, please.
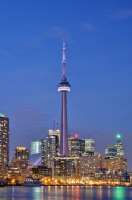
(65, 193)
(109, 192)
(100, 192)
(37, 193)
(119, 192)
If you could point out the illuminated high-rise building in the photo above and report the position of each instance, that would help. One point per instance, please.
(76, 146)
(50, 149)
(115, 164)
(50, 146)
(4, 140)
(89, 145)
(65, 167)
(21, 153)
(110, 152)
(57, 133)
(89, 164)
(64, 87)
(119, 147)
(35, 147)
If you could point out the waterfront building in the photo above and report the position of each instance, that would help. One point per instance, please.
(4, 141)
(35, 147)
(64, 87)
(65, 167)
(21, 153)
(115, 164)
(41, 171)
(89, 164)
(17, 170)
(76, 146)
(112, 176)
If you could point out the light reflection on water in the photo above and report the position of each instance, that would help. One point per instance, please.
(65, 193)
(119, 192)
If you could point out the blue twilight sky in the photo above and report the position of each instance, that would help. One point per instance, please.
(99, 69)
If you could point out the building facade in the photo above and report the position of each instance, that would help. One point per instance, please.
(41, 171)
(89, 145)
(35, 147)
(65, 167)
(49, 149)
(55, 132)
(111, 151)
(21, 153)
(114, 164)
(119, 147)
(4, 140)
(89, 164)
(76, 146)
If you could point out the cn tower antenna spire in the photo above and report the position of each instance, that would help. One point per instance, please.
(64, 60)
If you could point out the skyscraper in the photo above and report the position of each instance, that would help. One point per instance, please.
(21, 153)
(4, 140)
(111, 151)
(50, 147)
(57, 133)
(35, 147)
(64, 87)
(119, 146)
(89, 145)
(76, 146)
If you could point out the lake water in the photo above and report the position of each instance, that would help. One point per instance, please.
(65, 193)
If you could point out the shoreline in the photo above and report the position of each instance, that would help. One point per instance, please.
(71, 185)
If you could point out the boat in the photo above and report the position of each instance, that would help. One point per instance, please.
(2, 183)
(32, 182)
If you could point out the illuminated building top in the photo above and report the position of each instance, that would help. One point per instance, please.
(64, 84)
(118, 136)
(2, 115)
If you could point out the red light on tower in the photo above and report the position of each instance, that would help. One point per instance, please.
(75, 136)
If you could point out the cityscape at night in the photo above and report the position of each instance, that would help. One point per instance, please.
(65, 107)
(62, 159)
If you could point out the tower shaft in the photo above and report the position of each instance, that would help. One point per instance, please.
(64, 126)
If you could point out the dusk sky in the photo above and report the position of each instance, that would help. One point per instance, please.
(99, 69)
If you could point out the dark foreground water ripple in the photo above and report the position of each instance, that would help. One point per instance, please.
(65, 193)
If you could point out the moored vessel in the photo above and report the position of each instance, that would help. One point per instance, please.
(31, 182)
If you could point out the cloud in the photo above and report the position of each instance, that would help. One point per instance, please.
(122, 14)
(89, 27)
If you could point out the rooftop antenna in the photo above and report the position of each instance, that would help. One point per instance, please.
(57, 125)
(54, 124)
(64, 59)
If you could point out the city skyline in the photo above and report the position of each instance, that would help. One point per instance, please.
(99, 46)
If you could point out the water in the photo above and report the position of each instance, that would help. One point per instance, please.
(65, 193)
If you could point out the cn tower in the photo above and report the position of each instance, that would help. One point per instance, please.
(64, 87)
